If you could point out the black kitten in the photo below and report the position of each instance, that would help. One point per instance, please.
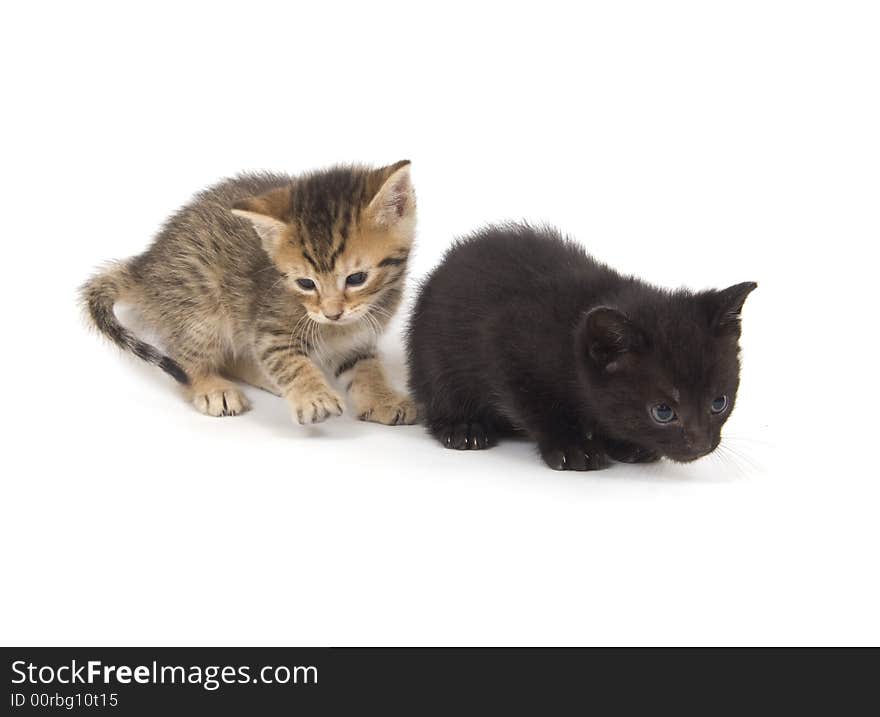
(521, 330)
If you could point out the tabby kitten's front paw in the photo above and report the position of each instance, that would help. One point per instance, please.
(586, 456)
(394, 411)
(315, 406)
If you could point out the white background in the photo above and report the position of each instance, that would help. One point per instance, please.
(696, 144)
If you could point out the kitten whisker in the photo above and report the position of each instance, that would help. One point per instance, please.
(740, 455)
(735, 461)
(295, 331)
(746, 439)
(266, 268)
(371, 326)
(375, 326)
(381, 310)
(311, 336)
(276, 283)
(320, 346)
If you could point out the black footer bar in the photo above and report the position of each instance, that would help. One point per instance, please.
(134, 681)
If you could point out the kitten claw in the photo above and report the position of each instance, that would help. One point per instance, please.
(466, 437)
(316, 407)
(575, 458)
(221, 402)
(399, 411)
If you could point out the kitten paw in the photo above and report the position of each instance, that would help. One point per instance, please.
(465, 436)
(315, 406)
(220, 400)
(399, 411)
(623, 452)
(585, 457)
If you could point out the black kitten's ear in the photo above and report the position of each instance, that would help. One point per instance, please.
(608, 335)
(725, 307)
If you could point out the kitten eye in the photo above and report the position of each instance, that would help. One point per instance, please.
(662, 413)
(719, 404)
(356, 279)
(306, 284)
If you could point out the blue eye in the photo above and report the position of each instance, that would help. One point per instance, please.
(356, 279)
(719, 404)
(306, 284)
(662, 413)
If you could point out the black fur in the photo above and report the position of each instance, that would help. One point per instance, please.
(520, 330)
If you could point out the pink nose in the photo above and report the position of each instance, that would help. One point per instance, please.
(333, 317)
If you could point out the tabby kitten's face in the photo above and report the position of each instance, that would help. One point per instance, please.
(340, 238)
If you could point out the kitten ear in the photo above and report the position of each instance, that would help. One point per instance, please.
(268, 229)
(265, 215)
(608, 334)
(725, 307)
(394, 202)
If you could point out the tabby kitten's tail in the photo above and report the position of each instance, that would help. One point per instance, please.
(100, 294)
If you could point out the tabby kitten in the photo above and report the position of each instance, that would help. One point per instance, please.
(520, 330)
(274, 280)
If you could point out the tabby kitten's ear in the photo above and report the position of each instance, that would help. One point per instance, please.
(725, 307)
(266, 213)
(608, 338)
(394, 203)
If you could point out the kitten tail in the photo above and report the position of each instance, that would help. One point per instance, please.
(99, 295)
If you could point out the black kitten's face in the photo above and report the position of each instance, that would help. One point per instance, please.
(673, 404)
(667, 379)
(689, 428)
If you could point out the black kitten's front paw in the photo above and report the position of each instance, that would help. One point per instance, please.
(587, 456)
(629, 452)
(465, 436)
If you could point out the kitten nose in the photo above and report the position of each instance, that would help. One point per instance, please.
(698, 443)
(333, 317)
(700, 447)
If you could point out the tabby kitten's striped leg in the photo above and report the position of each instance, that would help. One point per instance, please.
(373, 398)
(248, 369)
(208, 391)
(300, 381)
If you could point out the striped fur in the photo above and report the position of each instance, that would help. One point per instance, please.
(250, 280)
